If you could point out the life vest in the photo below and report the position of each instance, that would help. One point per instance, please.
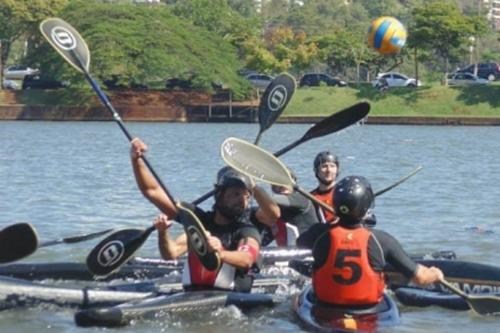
(326, 197)
(285, 234)
(347, 278)
(195, 275)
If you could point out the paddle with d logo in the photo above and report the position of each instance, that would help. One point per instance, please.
(274, 101)
(117, 248)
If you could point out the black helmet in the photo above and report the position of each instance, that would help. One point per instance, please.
(228, 177)
(353, 196)
(323, 157)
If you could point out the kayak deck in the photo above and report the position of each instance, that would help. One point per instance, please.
(326, 318)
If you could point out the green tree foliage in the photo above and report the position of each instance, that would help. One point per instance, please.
(142, 44)
(440, 27)
(20, 18)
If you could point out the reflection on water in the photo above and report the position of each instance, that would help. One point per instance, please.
(72, 178)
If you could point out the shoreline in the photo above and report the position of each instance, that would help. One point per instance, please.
(48, 113)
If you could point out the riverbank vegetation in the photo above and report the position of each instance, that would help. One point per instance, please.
(207, 43)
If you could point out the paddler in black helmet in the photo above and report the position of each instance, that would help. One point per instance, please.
(349, 259)
(231, 232)
(326, 168)
(297, 212)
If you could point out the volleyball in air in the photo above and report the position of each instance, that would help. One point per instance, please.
(387, 35)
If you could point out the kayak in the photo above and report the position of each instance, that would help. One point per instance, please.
(182, 302)
(273, 260)
(421, 298)
(22, 293)
(321, 317)
(470, 277)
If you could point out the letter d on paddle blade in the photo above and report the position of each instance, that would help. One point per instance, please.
(68, 42)
(115, 250)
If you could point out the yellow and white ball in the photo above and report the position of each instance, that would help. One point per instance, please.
(387, 35)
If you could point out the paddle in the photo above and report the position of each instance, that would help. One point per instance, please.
(261, 165)
(71, 46)
(17, 241)
(480, 304)
(390, 187)
(274, 101)
(328, 125)
(116, 249)
(74, 239)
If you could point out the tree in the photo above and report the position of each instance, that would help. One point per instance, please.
(133, 44)
(440, 27)
(20, 18)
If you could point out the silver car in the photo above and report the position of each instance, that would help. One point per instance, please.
(259, 81)
(18, 72)
(465, 79)
(394, 79)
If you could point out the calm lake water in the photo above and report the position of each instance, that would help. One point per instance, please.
(71, 178)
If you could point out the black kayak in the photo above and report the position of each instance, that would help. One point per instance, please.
(148, 268)
(182, 302)
(421, 298)
(320, 317)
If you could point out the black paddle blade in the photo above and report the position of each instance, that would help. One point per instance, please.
(17, 241)
(276, 97)
(197, 238)
(115, 250)
(484, 304)
(338, 121)
(68, 42)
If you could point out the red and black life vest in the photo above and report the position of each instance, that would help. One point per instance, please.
(347, 278)
(195, 275)
(326, 197)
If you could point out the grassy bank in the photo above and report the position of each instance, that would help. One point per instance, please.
(429, 101)
(433, 101)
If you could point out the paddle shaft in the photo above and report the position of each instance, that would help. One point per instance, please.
(74, 239)
(390, 187)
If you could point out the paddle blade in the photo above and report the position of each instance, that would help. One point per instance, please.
(480, 304)
(255, 162)
(338, 121)
(68, 42)
(198, 241)
(276, 97)
(17, 241)
(115, 250)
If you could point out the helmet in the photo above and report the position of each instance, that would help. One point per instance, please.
(228, 177)
(353, 196)
(323, 157)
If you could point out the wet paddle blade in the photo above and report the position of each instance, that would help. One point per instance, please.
(480, 304)
(115, 250)
(255, 162)
(17, 241)
(274, 101)
(67, 42)
(331, 124)
(75, 239)
(198, 241)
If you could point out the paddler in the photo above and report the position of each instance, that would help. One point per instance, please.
(297, 212)
(326, 167)
(349, 259)
(229, 223)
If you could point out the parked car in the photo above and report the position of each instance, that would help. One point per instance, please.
(486, 70)
(259, 81)
(316, 79)
(19, 72)
(465, 79)
(37, 82)
(10, 84)
(394, 79)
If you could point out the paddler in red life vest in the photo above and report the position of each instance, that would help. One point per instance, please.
(326, 169)
(231, 232)
(349, 258)
(297, 215)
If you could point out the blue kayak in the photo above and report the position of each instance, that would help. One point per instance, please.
(327, 318)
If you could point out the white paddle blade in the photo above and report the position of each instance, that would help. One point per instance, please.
(255, 162)
(68, 42)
